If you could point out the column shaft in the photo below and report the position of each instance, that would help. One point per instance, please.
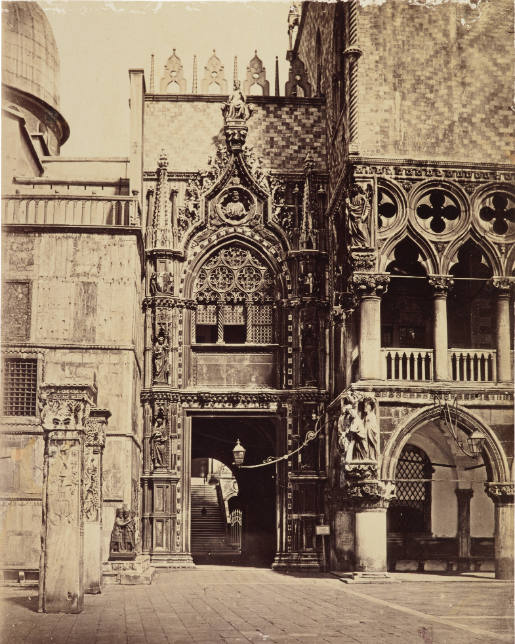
(441, 368)
(503, 338)
(464, 496)
(370, 337)
(503, 540)
(370, 536)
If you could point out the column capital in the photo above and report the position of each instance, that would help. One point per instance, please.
(96, 428)
(503, 285)
(65, 407)
(464, 493)
(370, 284)
(500, 492)
(440, 283)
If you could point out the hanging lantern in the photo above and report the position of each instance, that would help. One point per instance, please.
(475, 442)
(238, 453)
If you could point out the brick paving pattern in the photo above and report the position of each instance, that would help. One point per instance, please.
(217, 604)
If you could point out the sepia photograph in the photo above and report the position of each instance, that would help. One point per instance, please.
(257, 322)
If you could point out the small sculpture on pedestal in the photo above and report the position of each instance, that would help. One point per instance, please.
(123, 542)
(160, 357)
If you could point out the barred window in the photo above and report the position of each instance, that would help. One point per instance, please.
(410, 511)
(19, 387)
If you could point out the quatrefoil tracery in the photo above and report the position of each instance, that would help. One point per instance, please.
(440, 211)
(498, 213)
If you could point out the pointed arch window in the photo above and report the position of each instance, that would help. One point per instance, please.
(233, 291)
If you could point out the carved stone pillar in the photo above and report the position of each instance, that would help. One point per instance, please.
(370, 287)
(502, 496)
(441, 285)
(64, 412)
(502, 284)
(92, 495)
(464, 495)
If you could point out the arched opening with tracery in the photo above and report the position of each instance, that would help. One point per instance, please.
(233, 291)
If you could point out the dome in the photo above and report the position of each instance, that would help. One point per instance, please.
(30, 60)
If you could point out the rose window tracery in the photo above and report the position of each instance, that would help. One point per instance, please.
(233, 274)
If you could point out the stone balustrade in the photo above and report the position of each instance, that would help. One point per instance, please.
(407, 364)
(59, 210)
(473, 365)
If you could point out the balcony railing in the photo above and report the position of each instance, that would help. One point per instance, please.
(58, 210)
(473, 365)
(407, 364)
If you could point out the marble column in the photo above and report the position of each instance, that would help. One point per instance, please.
(463, 495)
(441, 285)
(502, 495)
(64, 413)
(370, 287)
(92, 495)
(370, 539)
(503, 344)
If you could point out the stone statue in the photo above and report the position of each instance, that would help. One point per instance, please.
(235, 209)
(123, 533)
(160, 357)
(358, 430)
(236, 108)
(158, 443)
(161, 283)
(371, 427)
(358, 210)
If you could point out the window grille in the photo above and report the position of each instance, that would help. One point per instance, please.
(234, 314)
(410, 511)
(206, 314)
(20, 387)
(261, 327)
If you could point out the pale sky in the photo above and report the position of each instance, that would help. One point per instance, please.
(100, 41)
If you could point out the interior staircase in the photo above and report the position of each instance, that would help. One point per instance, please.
(208, 530)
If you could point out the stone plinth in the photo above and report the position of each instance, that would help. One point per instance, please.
(64, 413)
(137, 571)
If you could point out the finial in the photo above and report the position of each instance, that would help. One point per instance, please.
(235, 72)
(277, 76)
(173, 51)
(152, 73)
(194, 87)
(163, 159)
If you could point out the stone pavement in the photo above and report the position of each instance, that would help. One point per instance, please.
(221, 604)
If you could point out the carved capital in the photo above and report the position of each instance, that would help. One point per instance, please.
(370, 283)
(65, 407)
(500, 492)
(353, 53)
(440, 283)
(363, 260)
(503, 284)
(96, 428)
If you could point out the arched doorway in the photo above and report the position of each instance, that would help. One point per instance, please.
(442, 519)
(214, 437)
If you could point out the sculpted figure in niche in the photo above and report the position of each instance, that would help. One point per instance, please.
(158, 444)
(358, 210)
(236, 108)
(160, 357)
(161, 283)
(235, 208)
